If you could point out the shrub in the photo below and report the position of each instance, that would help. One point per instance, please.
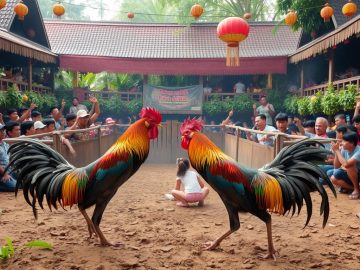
(291, 104)
(303, 106)
(330, 101)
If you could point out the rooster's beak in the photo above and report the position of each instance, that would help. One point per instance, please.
(160, 125)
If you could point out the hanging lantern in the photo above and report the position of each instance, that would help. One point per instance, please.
(58, 9)
(21, 10)
(349, 9)
(290, 18)
(196, 11)
(233, 30)
(2, 3)
(247, 16)
(326, 12)
(130, 15)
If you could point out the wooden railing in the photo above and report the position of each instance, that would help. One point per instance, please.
(338, 84)
(23, 86)
(222, 96)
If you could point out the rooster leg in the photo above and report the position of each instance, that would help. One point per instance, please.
(91, 226)
(96, 219)
(271, 249)
(234, 226)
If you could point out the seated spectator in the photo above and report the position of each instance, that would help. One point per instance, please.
(36, 116)
(356, 123)
(57, 113)
(107, 129)
(340, 120)
(347, 164)
(27, 128)
(7, 181)
(25, 114)
(50, 125)
(239, 88)
(260, 124)
(76, 106)
(70, 120)
(12, 129)
(39, 127)
(309, 127)
(281, 121)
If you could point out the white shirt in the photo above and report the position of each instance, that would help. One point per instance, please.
(190, 182)
(239, 87)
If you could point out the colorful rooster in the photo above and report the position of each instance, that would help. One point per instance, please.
(43, 172)
(280, 187)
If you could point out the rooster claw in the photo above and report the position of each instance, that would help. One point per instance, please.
(271, 255)
(210, 245)
(110, 244)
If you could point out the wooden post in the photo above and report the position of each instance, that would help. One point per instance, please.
(237, 132)
(30, 71)
(76, 79)
(269, 83)
(57, 142)
(331, 65)
(302, 79)
(99, 140)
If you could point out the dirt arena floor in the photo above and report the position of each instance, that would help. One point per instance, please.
(159, 235)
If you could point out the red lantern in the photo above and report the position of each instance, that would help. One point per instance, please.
(326, 12)
(290, 18)
(2, 3)
(233, 30)
(196, 11)
(21, 10)
(58, 9)
(349, 9)
(130, 15)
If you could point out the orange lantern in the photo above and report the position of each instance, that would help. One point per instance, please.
(2, 3)
(349, 9)
(247, 16)
(130, 15)
(233, 30)
(326, 12)
(290, 18)
(196, 11)
(58, 9)
(21, 10)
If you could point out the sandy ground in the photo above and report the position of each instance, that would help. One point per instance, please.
(158, 235)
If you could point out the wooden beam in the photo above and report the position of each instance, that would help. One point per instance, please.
(331, 65)
(269, 83)
(76, 79)
(302, 79)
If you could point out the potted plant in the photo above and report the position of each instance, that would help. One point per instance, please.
(330, 101)
(347, 97)
(304, 106)
(290, 104)
(315, 103)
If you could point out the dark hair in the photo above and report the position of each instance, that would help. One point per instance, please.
(10, 126)
(70, 116)
(309, 123)
(340, 116)
(52, 108)
(341, 129)
(351, 137)
(262, 116)
(35, 113)
(25, 126)
(47, 122)
(293, 128)
(183, 166)
(21, 110)
(11, 110)
(75, 98)
(356, 119)
(331, 134)
(351, 128)
(281, 117)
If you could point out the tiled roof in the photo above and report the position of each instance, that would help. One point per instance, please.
(163, 40)
(7, 14)
(337, 5)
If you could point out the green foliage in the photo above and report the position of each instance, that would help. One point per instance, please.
(64, 79)
(43, 101)
(13, 97)
(134, 106)
(304, 106)
(173, 81)
(111, 107)
(39, 244)
(275, 97)
(87, 80)
(347, 97)
(315, 103)
(291, 104)
(214, 106)
(7, 250)
(308, 13)
(330, 101)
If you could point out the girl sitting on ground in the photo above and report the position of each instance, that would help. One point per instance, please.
(194, 188)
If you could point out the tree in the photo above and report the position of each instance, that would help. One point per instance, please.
(308, 13)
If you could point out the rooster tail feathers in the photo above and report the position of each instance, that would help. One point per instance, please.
(41, 171)
(295, 170)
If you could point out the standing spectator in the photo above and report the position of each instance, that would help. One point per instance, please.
(49, 125)
(13, 114)
(36, 116)
(27, 128)
(7, 182)
(39, 127)
(76, 106)
(340, 120)
(356, 123)
(309, 127)
(70, 120)
(266, 109)
(347, 164)
(12, 129)
(281, 121)
(239, 88)
(57, 114)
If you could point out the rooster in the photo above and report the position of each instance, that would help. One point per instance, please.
(41, 171)
(279, 187)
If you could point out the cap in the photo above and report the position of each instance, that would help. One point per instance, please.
(39, 125)
(109, 120)
(82, 113)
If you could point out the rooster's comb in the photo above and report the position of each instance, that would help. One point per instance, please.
(151, 113)
(191, 125)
